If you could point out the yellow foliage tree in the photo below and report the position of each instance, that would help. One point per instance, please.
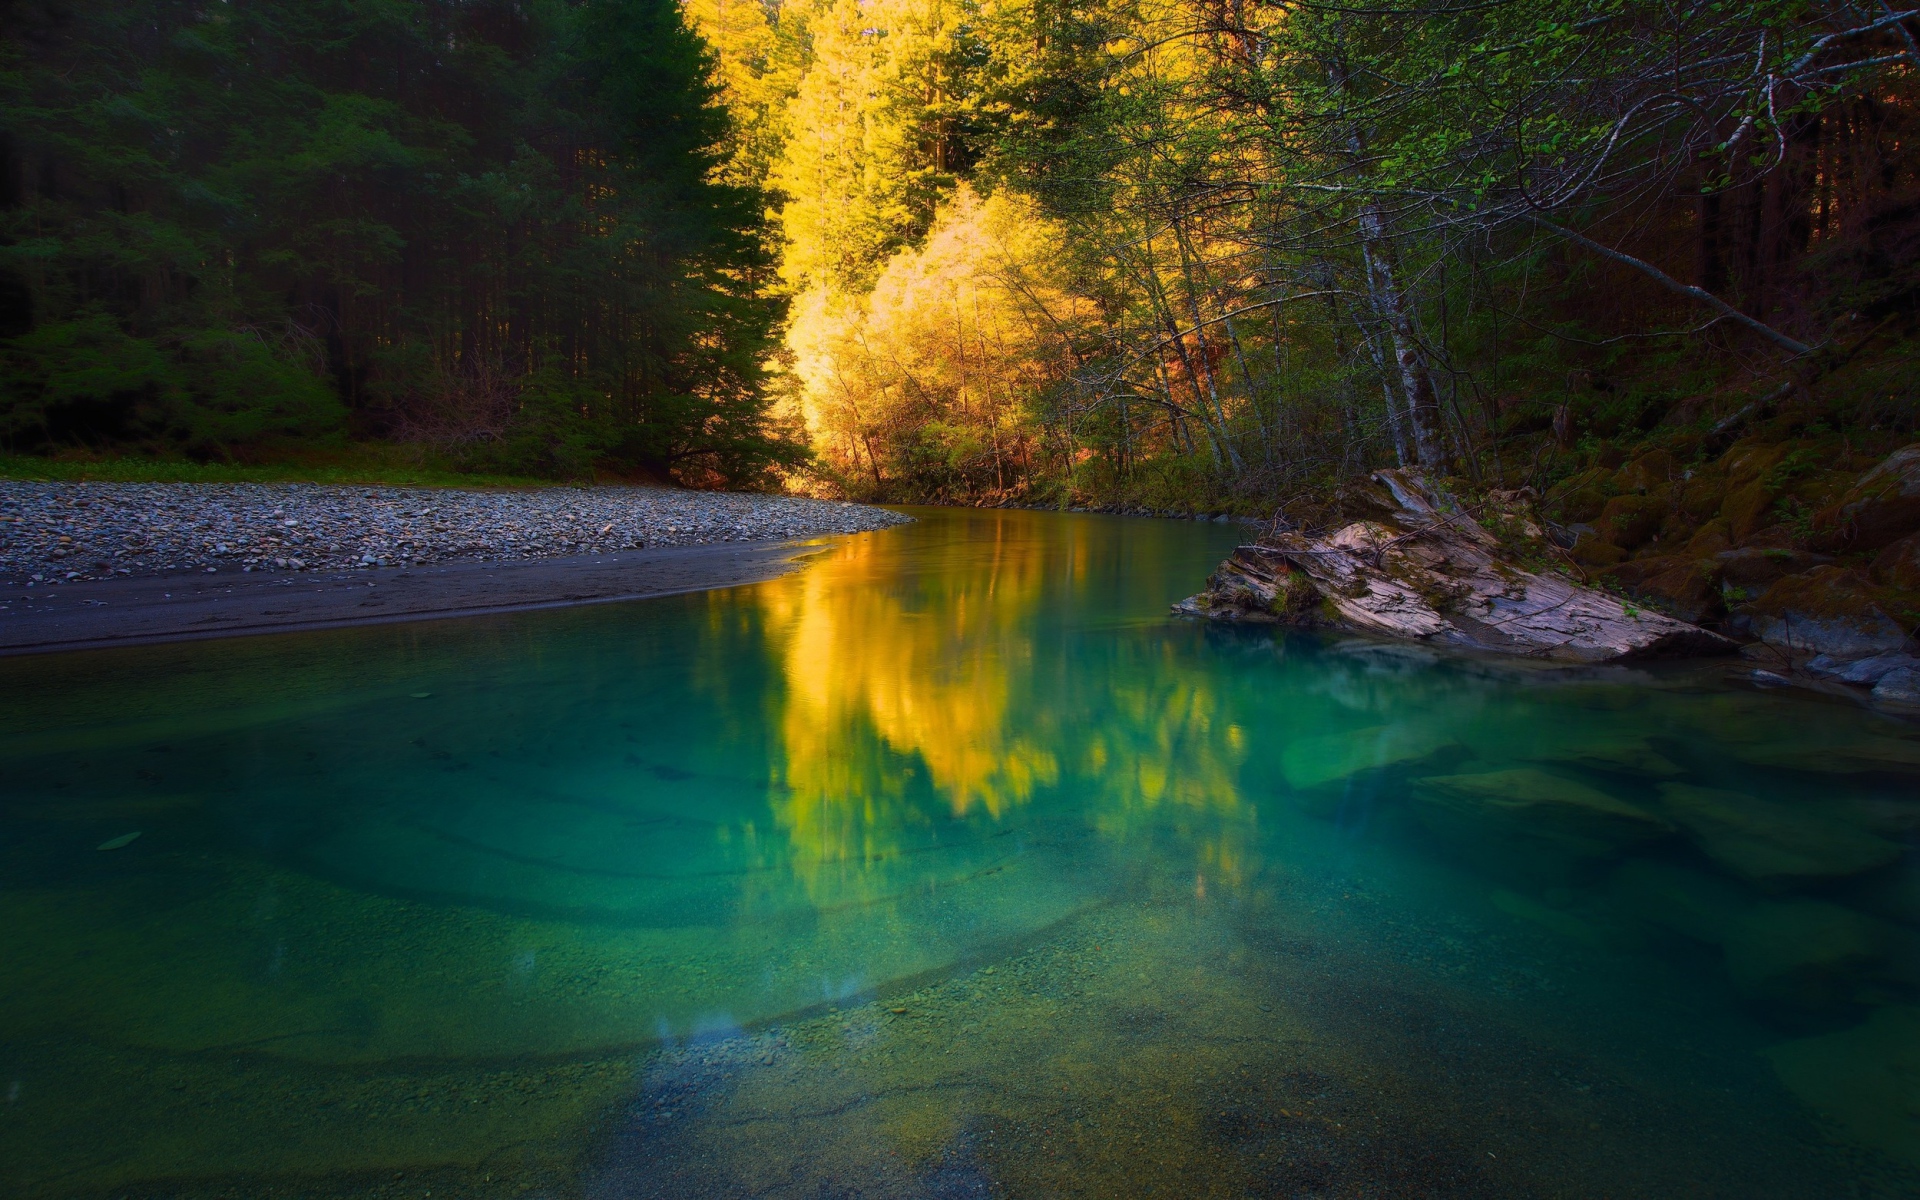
(930, 375)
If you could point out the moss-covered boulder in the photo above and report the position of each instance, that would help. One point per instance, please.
(1898, 566)
(1754, 569)
(1580, 498)
(1686, 587)
(1710, 539)
(1628, 521)
(1828, 610)
(1882, 508)
(1652, 470)
(1747, 509)
(1771, 843)
(1748, 461)
(1596, 553)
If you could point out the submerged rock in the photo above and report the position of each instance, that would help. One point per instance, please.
(1802, 954)
(1770, 842)
(1421, 567)
(1329, 758)
(1798, 956)
(1866, 1079)
(1528, 808)
(1691, 903)
(1862, 756)
(1629, 756)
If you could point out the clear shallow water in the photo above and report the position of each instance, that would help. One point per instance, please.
(945, 867)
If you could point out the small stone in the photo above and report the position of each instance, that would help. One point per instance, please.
(124, 840)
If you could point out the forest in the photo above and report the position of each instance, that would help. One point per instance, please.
(1165, 254)
(495, 231)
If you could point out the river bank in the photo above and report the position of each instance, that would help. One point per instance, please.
(54, 533)
(188, 605)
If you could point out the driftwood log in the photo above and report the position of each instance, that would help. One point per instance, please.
(1419, 566)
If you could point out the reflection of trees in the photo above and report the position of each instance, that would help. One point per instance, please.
(949, 686)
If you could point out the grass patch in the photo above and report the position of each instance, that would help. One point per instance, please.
(360, 464)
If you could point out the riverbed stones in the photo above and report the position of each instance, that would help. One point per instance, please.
(73, 531)
(1773, 843)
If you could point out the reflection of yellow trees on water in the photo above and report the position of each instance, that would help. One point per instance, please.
(943, 691)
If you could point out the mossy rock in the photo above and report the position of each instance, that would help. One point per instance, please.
(1757, 568)
(1596, 552)
(1865, 1080)
(1710, 539)
(1898, 566)
(1747, 509)
(1748, 461)
(1773, 843)
(1583, 496)
(1699, 499)
(1628, 521)
(1829, 610)
(1652, 470)
(1882, 508)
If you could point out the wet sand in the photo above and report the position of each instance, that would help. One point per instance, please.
(189, 605)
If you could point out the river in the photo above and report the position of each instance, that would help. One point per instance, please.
(946, 866)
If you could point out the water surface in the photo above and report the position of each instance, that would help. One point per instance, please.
(945, 867)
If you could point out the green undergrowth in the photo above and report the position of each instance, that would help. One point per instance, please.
(361, 463)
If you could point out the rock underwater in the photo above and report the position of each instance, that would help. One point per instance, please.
(1420, 567)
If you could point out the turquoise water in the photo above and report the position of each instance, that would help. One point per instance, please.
(947, 866)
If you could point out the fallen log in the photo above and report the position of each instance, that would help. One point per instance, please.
(1419, 566)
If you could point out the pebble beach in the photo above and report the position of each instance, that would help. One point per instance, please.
(72, 532)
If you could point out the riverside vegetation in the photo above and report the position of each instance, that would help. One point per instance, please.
(1173, 255)
(1170, 256)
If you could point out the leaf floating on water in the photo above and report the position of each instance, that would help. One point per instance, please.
(420, 695)
(116, 843)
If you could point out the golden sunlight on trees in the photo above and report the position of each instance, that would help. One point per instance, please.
(932, 375)
(1184, 254)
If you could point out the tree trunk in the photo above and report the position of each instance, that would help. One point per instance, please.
(1416, 383)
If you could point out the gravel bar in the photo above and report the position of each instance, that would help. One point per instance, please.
(72, 532)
